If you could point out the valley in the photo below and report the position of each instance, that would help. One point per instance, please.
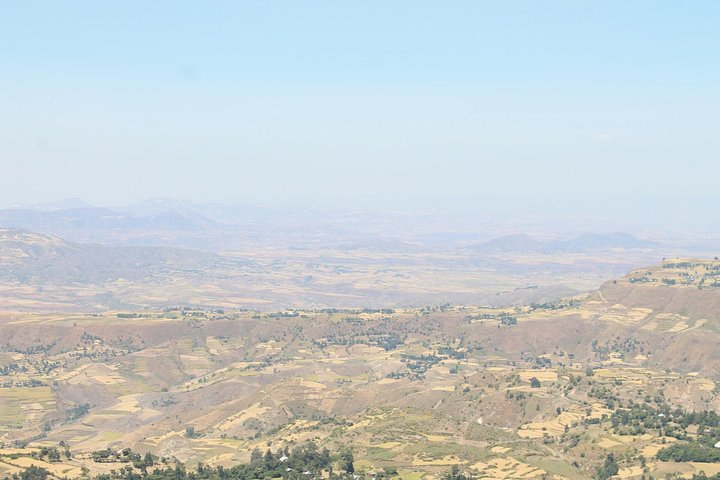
(541, 390)
(46, 273)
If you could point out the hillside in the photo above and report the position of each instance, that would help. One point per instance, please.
(87, 224)
(35, 258)
(47, 273)
(530, 391)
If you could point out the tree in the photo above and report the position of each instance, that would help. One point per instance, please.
(256, 456)
(454, 474)
(53, 455)
(609, 468)
(346, 461)
(534, 382)
(34, 473)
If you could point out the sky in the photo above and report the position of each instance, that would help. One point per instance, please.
(292, 101)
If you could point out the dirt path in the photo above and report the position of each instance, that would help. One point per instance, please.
(601, 297)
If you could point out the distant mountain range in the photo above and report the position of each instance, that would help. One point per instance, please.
(170, 228)
(217, 227)
(31, 257)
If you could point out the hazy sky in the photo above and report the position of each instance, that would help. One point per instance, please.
(242, 100)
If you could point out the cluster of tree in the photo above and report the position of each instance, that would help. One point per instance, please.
(387, 341)
(637, 418)
(601, 392)
(672, 422)
(52, 454)
(419, 364)
(451, 352)
(384, 311)
(332, 311)
(642, 280)
(441, 308)
(689, 452)
(286, 314)
(12, 368)
(126, 455)
(541, 362)
(680, 265)
(617, 345)
(703, 476)
(609, 468)
(559, 305)
(31, 383)
(455, 474)
(706, 418)
(77, 411)
(504, 317)
(33, 349)
(305, 462)
(508, 320)
(31, 473)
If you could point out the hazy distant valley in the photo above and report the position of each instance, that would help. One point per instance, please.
(161, 253)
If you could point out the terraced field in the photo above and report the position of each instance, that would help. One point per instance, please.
(525, 392)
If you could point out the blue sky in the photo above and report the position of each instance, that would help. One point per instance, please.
(287, 101)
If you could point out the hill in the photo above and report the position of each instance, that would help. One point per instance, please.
(545, 389)
(43, 272)
(30, 257)
(168, 227)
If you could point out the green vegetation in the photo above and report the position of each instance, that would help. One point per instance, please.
(33, 473)
(672, 422)
(702, 476)
(304, 461)
(76, 412)
(689, 452)
(609, 468)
